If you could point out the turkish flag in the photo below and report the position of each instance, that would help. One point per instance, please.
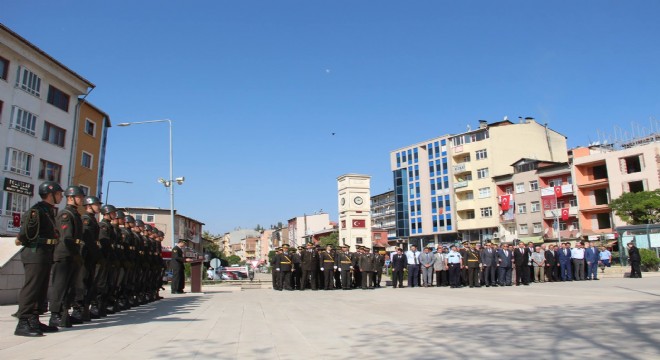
(359, 223)
(17, 219)
(558, 192)
(564, 214)
(506, 201)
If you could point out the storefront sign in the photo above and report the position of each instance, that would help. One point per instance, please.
(18, 187)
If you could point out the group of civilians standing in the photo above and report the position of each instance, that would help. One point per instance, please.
(491, 266)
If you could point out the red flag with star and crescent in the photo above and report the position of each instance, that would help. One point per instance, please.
(506, 202)
(358, 223)
(558, 192)
(564, 214)
(16, 219)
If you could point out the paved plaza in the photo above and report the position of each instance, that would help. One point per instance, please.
(613, 318)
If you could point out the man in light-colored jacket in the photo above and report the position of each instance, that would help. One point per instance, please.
(440, 267)
(426, 263)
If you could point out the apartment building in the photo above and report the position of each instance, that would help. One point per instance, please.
(477, 156)
(184, 227)
(302, 226)
(605, 172)
(38, 113)
(383, 214)
(88, 152)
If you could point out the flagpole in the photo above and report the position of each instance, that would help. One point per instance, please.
(557, 219)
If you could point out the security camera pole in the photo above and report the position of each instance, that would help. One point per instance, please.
(167, 183)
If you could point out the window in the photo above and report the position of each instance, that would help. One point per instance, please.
(28, 81)
(484, 193)
(486, 212)
(23, 121)
(636, 186)
(603, 220)
(86, 160)
(633, 164)
(90, 127)
(573, 202)
(562, 226)
(4, 68)
(54, 134)
(522, 208)
(533, 185)
(469, 214)
(85, 189)
(58, 98)
(536, 206)
(49, 171)
(147, 218)
(16, 203)
(520, 188)
(509, 190)
(482, 173)
(358, 240)
(524, 229)
(601, 197)
(600, 172)
(481, 154)
(537, 228)
(458, 140)
(575, 225)
(18, 162)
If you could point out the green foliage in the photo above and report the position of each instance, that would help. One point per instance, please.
(210, 246)
(650, 261)
(332, 239)
(638, 208)
(271, 256)
(234, 259)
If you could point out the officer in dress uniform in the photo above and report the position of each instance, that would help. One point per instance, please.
(67, 258)
(275, 271)
(105, 263)
(367, 268)
(357, 275)
(327, 263)
(344, 263)
(177, 262)
(473, 264)
(310, 267)
(38, 236)
(284, 265)
(85, 289)
(297, 267)
(379, 262)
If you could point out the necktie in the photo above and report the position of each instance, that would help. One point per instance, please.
(506, 253)
(415, 256)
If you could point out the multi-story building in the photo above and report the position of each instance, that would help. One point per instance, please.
(302, 226)
(184, 227)
(603, 173)
(38, 113)
(423, 198)
(383, 215)
(559, 202)
(89, 149)
(479, 155)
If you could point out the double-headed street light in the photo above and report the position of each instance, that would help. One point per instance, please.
(169, 182)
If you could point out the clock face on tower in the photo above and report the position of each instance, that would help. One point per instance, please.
(357, 200)
(343, 201)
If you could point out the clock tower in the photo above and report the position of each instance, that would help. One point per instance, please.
(354, 196)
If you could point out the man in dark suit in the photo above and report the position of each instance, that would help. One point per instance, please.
(521, 260)
(505, 260)
(489, 263)
(399, 262)
(591, 258)
(310, 267)
(565, 262)
(635, 260)
(177, 265)
(550, 264)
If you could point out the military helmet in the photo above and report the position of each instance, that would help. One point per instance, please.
(147, 227)
(139, 223)
(49, 187)
(73, 191)
(160, 233)
(120, 214)
(129, 219)
(107, 209)
(91, 200)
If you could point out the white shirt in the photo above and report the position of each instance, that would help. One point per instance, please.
(413, 257)
(577, 253)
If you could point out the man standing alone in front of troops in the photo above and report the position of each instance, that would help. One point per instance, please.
(67, 257)
(38, 236)
(177, 264)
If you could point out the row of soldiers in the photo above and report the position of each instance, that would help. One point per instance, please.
(311, 267)
(73, 261)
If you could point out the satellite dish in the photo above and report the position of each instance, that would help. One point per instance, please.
(216, 263)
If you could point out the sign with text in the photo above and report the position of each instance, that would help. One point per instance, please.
(19, 187)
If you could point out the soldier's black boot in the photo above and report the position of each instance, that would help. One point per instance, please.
(86, 314)
(65, 320)
(36, 324)
(24, 329)
(94, 312)
(55, 320)
(76, 316)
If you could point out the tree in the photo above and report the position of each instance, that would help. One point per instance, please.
(332, 239)
(234, 259)
(210, 246)
(638, 208)
(271, 256)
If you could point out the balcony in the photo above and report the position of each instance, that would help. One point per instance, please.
(566, 189)
(464, 205)
(460, 184)
(550, 214)
(462, 168)
(594, 184)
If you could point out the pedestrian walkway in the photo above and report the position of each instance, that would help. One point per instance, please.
(611, 318)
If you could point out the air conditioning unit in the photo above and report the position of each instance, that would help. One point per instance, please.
(496, 235)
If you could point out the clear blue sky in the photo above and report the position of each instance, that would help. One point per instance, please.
(257, 87)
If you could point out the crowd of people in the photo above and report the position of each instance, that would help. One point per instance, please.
(73, 261)
(467, 265)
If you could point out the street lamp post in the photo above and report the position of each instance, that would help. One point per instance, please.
(107, 188)
(168, 183)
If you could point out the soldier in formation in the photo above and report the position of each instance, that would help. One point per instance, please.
(95, 267)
